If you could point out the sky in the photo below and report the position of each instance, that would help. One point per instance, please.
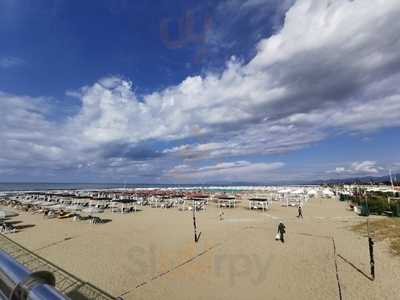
(198, 91)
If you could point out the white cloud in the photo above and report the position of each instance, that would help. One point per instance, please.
(333, 67)
(366, 167)
(313, 73)
(359, 168)
(238, 171)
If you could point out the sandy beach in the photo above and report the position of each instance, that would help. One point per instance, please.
(151, 254)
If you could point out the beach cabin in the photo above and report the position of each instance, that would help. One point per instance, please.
(259, 203)
(194, 203)
(226, 201)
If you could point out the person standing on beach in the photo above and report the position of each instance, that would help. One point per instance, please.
(300, 215)
(281, 231)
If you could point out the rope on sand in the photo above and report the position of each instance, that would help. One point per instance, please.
(174, 268)
(355, 267)
(335, 255)
(336, 269)
(55, 243)
(189, 260)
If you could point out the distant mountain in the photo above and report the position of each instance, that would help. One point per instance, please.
(365, 180)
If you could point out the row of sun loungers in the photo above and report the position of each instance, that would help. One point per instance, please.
(64, 209)
(55, 211)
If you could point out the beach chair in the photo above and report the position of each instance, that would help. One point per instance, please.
(170, 204)
(77, 217)
(66, 215)
(37, 211)
(51, 215)
(81, 218)
(97, 220)
(7, 228)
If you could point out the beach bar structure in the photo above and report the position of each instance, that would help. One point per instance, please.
(292, 197)
(194, 203)
(227, 201)
(259, 203)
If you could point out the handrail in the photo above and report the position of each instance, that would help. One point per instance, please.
(18, 283)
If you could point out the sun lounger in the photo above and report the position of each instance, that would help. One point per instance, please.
(66, 216)
(50, 215)
(81, 218)
(97, 220)
(7, 228)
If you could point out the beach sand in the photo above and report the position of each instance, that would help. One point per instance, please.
(151, 254)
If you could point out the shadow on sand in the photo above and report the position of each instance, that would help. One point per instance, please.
(355, 267)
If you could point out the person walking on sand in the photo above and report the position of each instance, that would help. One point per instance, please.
(221, 214)
(300, 210)
(281, 231)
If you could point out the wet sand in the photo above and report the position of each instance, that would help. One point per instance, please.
(151, 254)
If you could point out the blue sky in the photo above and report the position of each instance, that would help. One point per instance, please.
(189, 91)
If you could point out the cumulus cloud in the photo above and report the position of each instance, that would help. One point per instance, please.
(313, 73)
(359, 168)
(333, 67)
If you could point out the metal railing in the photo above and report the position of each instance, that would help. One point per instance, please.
(68, 284)
(18, 283)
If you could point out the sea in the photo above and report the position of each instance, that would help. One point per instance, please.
(12, 187)
(5, 187)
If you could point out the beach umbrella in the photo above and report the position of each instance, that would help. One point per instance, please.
(312, 192)
(328, 193)
(5, 213)
(298, 192)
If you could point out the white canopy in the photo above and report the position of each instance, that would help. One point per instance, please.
(328, 193)
(298, 191)
(284, 191)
